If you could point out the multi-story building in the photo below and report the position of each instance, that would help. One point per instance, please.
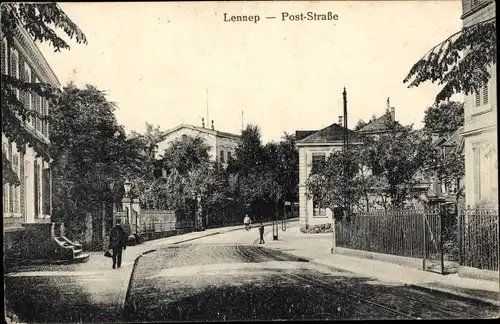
(480, 127)
(29, 202)
(315, 146)
(222, 144)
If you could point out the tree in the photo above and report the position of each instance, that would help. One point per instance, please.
(185, 154)
(90, 152)
(381, 170)
(461, 63)
(395, 158)
(360, 124)
(249, 153)
(444, 118)
(332, 185)
(40, 20)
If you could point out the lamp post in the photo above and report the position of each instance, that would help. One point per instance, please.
(194, 204)
(127, 201)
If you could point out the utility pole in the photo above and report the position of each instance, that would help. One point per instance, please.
(346, 151)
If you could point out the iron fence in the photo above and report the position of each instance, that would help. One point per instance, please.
(412, 233)
(479, 238)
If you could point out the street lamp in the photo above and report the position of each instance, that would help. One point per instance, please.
(194, 204)
(127, 186)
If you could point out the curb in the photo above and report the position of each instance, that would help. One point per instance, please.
(195, 238)
(481, 300)
(125, 288)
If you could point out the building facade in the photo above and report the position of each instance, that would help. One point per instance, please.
(222, 144)
(31, 201)
(480, 126)
(315, 146)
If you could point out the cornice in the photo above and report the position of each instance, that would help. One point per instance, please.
(476, 8)
(32, 54)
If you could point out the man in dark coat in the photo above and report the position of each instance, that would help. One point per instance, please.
(118, 243)
(261, 233)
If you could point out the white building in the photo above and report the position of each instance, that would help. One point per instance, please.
(222, 144)
(31, 201)
(315, 146)
(480, 127)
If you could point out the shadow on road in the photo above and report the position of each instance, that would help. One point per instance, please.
(46, 299)
(260, 290)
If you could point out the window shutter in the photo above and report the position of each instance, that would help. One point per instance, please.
(15, 199)
(478, 99)
(4, 57)
(485, 94)
(6, 186)
(39, 111)
(46, 112)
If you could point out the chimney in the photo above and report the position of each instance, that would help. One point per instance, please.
(212, 124)
(393, 114)
(341, 119)
(203, 122)
(388, 104)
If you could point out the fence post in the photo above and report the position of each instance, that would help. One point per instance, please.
(425, 241)
(333, 234)
(441, 253)
(460, 237)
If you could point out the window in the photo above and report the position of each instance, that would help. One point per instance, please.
(318, 210)
(318, 159)
(482, 96)
(222, 160)
(16, 190)
(14, 66)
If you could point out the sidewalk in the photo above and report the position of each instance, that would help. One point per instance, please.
(94, 283)
(317, 249)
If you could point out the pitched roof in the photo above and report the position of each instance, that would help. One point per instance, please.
(204, 130)
(377, 125)
(455, 138)
(303, 134)
(332, 133)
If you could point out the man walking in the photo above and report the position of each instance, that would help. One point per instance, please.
(247, 222)
(118, 243)
(261, 233)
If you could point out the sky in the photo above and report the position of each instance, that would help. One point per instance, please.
(158, 61)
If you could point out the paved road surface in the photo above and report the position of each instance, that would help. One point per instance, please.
(219, 278)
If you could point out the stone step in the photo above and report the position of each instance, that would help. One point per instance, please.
(83, 257)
